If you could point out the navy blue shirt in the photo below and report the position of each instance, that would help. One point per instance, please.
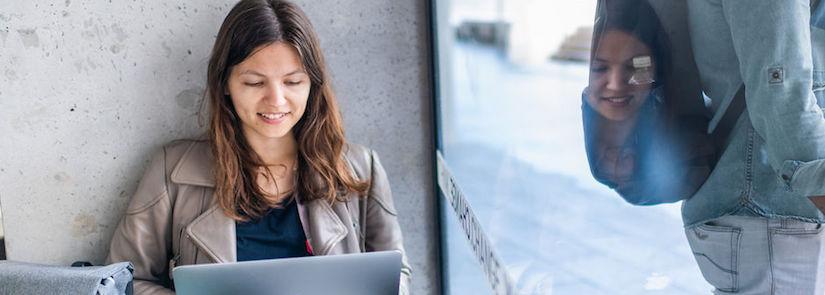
(278, 234)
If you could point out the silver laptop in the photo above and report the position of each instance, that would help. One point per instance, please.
(349, 274)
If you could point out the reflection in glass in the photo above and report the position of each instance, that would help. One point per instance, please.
(637, 142)
(510, 100)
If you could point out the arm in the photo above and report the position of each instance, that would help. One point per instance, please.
(383, 231)
(772, 41)
(144, 234)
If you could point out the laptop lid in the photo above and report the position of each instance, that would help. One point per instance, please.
(362, 273)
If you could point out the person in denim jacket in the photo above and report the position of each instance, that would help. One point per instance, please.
(751, 226)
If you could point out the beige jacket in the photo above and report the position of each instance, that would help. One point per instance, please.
(171, 220)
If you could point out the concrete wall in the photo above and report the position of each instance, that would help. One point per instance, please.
(90, 89)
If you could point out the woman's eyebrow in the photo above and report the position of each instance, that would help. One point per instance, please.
(252, 72)
(298, 71)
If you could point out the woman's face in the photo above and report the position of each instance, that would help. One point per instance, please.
(269, 90)
(611, 94)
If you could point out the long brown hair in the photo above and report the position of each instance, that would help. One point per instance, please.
(322, 172)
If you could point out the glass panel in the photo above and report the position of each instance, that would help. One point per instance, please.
(465, 276)
(462, 273)
(510, 95)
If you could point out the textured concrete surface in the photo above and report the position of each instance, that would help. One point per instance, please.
(89, 89)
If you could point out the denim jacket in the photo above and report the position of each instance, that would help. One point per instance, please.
(775, 158)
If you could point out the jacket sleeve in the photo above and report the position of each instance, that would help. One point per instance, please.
(772, 41)
(382, 229)
(805, 177)
(143, 235)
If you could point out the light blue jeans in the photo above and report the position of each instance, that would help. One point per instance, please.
(757, 255)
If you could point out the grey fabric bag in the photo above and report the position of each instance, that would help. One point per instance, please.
(28, 278)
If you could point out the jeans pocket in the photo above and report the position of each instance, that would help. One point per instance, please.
(796, 258)
(716, 250)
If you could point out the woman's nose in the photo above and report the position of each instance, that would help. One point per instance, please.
(275, 95)
(616, 80)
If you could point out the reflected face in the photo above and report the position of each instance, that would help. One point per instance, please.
(611, 94)
(269, 91)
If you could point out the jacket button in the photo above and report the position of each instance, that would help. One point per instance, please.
(777, 75)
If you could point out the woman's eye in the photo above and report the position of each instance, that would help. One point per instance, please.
(295, 82)
(254, 84)
(598, 69)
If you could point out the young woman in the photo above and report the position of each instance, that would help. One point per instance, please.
(635, 143)
(274, 179)
(620, 99)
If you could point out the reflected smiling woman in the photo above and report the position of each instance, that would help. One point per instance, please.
(614, 92)
(616, 99)
(635, 142)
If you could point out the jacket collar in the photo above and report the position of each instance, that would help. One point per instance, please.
(197, 163)
(322, 225)
(195, 166)
(214, 232)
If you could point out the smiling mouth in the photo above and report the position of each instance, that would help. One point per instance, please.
(618, 100)
(273, 116)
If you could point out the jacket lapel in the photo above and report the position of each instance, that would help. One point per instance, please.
(324, 228)
(195, 167)
(214, 233)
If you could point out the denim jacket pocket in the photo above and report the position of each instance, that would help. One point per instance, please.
(819, 84)
(716, 250)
